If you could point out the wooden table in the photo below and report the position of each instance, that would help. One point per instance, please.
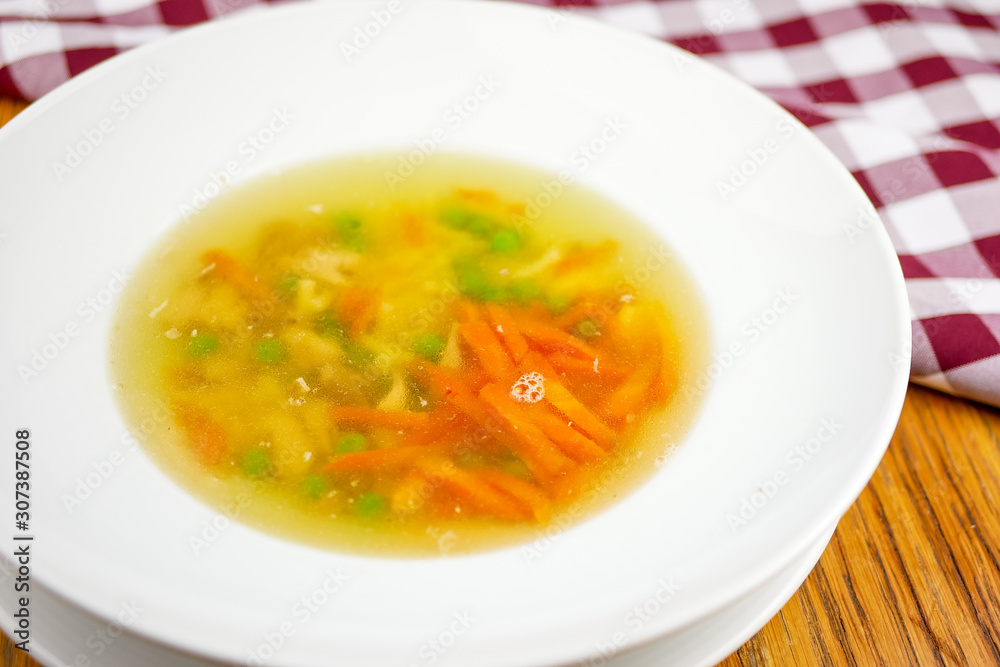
(912, 575)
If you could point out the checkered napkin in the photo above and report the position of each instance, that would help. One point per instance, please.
(906, 94)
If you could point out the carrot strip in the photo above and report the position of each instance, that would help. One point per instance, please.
(483, 496)
(413, 229)
(586, 257)
(529, 442)
(550, 339)
(410, 494)
(393, 457)
(533, 362)
(394, 419)
(507, 330)
(563, 401)
(526, 492)
(585, 369)
(667, 379)
(450, 388)
(468, 311)
(573, 443)
(577, 313)
(478, 196)
(488, 350)
(572, 485)
(239, 276)
(204, 434)
(359, 306)
(630, 395)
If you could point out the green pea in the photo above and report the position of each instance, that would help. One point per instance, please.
(429, 345)
(349, 231)
(202, 345)
(314, 486)
(288, 285)
(586, 329)
(269, 351)
(526, 291)
(327, 325)
(472, 281)
(371, 505)
(454, 217)
(256, 463)
(505, 241)
(351, 442)
(481, 225)
(557, 304)
(358, 355)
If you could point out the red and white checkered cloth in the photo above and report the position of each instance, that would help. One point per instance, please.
(906, 94)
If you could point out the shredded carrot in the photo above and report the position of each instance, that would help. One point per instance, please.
(539, 453)
(578, 413)
(449, 387)
(529, 494)
(393, 457)
(410, 493)
(605, 370)
(204, 434)
(483, 496)
(548, 338)
(358, 307)
(478, 196)
(413, 229)
(533, 362)
(667, 379)
(582, 310)
(630, 395)
(488, 350)
(468, 311)
(573, 443)
(586, 257)
(237, 275)
(394, 419)
(507, 331)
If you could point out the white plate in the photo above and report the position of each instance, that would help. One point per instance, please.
(62, 632)
(810, 324)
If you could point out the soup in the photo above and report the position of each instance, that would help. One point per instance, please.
(441, 364)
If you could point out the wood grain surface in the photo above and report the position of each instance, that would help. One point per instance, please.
(912, 575)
